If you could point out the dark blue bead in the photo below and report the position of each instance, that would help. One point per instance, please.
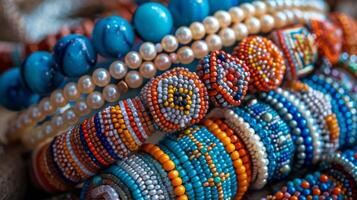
(113, 36)
(75, 55)
(14, 95)
(39, 74)
(186, 12)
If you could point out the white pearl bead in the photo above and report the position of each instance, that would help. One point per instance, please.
(248, 9)
(162, 62)
(81, 108)
(71, 92)
(173, 58)
(267, 23)
(147, 70)
(35, 113)
(253, 25)
(169, 43)
(133, 60)
(70, 117)
(240, 30)
(118, 70)
(183, 35)
(224, 18)
(85, 84)
(198, 30)
(237, 14)
(46, 106)
(101, 77)
(185, 55)
(260, 8)
(57, 121)
(48, 129)
(111, 93)
(58, 99)
(271, 6)
(211, 24)
(158, 48)
(228, 37)
(214, 42)
(280, 19)
(200, 49)
(95, 100)
(147, 51)
(134, 79)
(290, 17)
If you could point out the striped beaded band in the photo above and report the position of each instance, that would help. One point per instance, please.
(225, 77)
(299, 49)
(264, 61)
(176, 99)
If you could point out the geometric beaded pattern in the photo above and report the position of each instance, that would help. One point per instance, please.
(176, 99)
(226, 78)
(299, 49)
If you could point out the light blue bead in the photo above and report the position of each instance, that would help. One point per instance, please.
(39, 74)
(75, 55)
(216, 5)
(14, 95)
(186, 12)
(153, 21)
(113, 36)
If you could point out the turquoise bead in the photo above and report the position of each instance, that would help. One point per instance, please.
(153, 21)
(39, 74)
(75, 55)
(14, 95)
(113, 36)
(186, 12)
(216, 5)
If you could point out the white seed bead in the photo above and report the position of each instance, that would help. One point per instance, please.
(253, 25)
(200, 49)
(228, 37)
(260, 8)
(198, 30)
(169, 43)
(118, 70)
(111, 93)
(279, 19)
(95, 100)
(85, 84)
(147, 51)
(185, 55)
(237, 14)
(133, 60)
(267, 23)
(162, 62)
(71, 92)
(81, 108)
(211, 24)
(248, 9)
(134, 79)
(183, 35)
(70, 117)
(58, 99)
(101, 77)
(241, 31)
(147, 70)
(214, 42)
(224, 18)
(46, 106)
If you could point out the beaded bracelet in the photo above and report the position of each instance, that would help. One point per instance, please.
(38, 113)
(248, 130)
(320, 107)
(280, 136)
(300, 133)
(342, 105)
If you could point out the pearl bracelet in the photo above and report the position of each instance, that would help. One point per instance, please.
(118, 70)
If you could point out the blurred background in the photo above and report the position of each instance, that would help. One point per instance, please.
(28, 25)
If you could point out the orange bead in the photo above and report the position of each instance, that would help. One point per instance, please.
(176, 181)
(230, 148)
(173, 174)
(169, 165)
(323, 178)
(305, 184)
(182, 197)
(293, 198)
(316, 191)
(179, 190)
(336, 191)
(279, 195)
